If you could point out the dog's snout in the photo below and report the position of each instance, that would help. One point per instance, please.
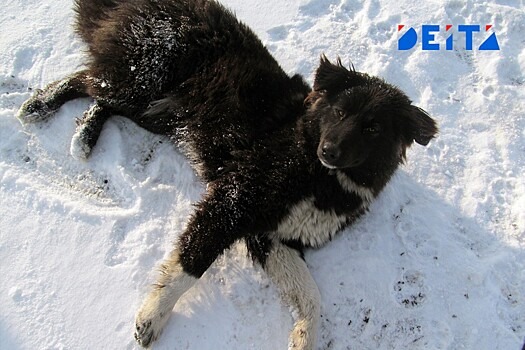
(330, 152)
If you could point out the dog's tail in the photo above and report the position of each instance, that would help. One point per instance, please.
(90, 13)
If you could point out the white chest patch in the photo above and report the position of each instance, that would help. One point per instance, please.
(348, 185)
(311, 226)
(314, 227)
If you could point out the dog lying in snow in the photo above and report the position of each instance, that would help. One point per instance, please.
(286, 168)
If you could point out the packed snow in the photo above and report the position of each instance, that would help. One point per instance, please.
(437, 263)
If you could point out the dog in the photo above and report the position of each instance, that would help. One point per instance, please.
(287, 167)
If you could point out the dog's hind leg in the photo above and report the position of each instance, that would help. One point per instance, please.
(287, 269)
(44, 103)
(88, 130)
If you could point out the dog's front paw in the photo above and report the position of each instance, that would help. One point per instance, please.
(151, 319)
(144, 333)
(147, 330)
(35, 109)
(302, 336)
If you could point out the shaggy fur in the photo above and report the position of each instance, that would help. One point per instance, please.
(285, 167)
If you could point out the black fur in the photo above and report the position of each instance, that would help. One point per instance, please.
(190, 70)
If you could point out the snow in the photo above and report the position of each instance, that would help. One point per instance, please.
(437, 263)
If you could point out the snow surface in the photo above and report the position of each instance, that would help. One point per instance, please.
(438, 263)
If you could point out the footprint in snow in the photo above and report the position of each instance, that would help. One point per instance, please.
(114, 255)
(410, 290)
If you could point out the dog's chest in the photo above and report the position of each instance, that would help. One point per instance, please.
(310, 225)
(314, 225)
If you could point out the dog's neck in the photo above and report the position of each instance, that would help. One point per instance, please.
(367, 175)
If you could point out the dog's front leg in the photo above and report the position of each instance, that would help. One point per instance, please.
(156, 309)
(221, 218)
(289, 272)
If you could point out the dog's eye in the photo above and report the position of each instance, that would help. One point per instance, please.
(340, 113)
(372, 129)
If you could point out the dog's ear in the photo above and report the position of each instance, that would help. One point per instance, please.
(332, 77)
(421, 127)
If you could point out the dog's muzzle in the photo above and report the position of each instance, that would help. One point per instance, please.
(328, 154)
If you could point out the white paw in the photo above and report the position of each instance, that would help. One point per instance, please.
(158, 305)
(302, 336)
(151, 319)
(34, 110)
(26, 117)
(79, 148)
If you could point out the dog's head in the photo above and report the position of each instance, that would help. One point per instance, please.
(363, 118)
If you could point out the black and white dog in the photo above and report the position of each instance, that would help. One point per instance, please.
(286, 168)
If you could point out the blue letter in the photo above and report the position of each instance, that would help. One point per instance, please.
(468, 29)
(490, 44)
(427, 37)
(449, 44)
(408, 40)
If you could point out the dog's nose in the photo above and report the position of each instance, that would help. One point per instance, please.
(330, 152)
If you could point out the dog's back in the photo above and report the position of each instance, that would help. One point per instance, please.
(189, 70)
(137, 50)
(90, 14)
(144, 50)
